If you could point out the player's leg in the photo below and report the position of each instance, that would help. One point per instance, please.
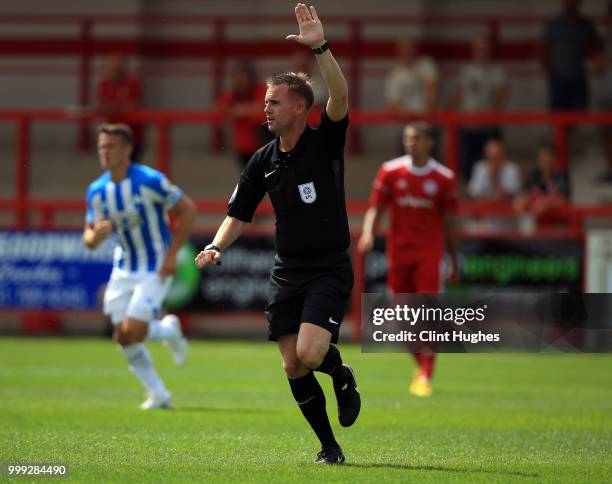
(145, 303)
(168, 330)
(130, 334)
(306, 390)
(153, 290)
(310, 398)
(117, 296)
(315, 350)
(325, 304)
(401, 279)
(428, 280)
(283, 313)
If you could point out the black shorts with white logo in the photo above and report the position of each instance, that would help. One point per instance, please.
(309, 290)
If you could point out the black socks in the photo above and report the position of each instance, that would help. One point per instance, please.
(332, 365)
(310, 398)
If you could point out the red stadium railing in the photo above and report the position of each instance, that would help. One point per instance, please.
(219, 45)
(164, 120)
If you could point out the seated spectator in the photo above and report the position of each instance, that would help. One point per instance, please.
(545, 192)
(243, 104)
(120, 91)
(412, 86)
(482, 87)
(494, 178)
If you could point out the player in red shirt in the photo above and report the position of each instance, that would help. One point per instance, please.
(421, 197)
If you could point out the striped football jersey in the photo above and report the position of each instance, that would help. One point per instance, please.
(137, 207)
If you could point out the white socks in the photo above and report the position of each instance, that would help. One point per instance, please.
(160, 330)
(141, 364)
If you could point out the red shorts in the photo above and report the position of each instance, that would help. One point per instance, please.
(423, 275)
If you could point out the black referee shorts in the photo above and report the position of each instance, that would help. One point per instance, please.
(309, 290)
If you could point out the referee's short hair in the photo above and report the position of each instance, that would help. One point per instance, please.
(118, 129)
(422, 127)
(298, 83)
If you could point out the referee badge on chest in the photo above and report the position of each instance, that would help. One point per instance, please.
(307, 192)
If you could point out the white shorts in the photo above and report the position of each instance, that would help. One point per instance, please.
(137, 295)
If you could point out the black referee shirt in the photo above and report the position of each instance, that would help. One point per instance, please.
(306, 188)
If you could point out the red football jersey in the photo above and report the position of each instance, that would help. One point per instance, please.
(417, 198)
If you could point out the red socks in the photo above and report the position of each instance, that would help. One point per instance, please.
(425, 361)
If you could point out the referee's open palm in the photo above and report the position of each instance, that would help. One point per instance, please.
(311, 28)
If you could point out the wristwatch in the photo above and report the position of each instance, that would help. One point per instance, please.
(323, 48)
(216, 249)
(212, 247)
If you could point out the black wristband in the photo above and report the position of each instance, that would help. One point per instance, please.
(323, 48)
(212, 247)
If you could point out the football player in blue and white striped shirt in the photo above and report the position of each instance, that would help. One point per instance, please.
(132, 200)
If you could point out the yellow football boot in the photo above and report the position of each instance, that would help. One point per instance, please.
(420, 386)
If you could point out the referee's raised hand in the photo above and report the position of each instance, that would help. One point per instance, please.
(311, 28)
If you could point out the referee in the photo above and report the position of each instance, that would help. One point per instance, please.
(302, 171)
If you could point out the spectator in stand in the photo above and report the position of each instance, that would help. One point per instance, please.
(242, 104)
(606, 102)
(119, 92)
(545, 192)
(482, 87)
(567, 40)
(495, 178)
(301, 61)
(412, 86)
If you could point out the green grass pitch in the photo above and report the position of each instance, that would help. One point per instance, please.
(493, 418)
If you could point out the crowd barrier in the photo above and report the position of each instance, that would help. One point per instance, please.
(163, 120)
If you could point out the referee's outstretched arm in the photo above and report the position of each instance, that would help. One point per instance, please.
(311, 34)
(228, 232)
